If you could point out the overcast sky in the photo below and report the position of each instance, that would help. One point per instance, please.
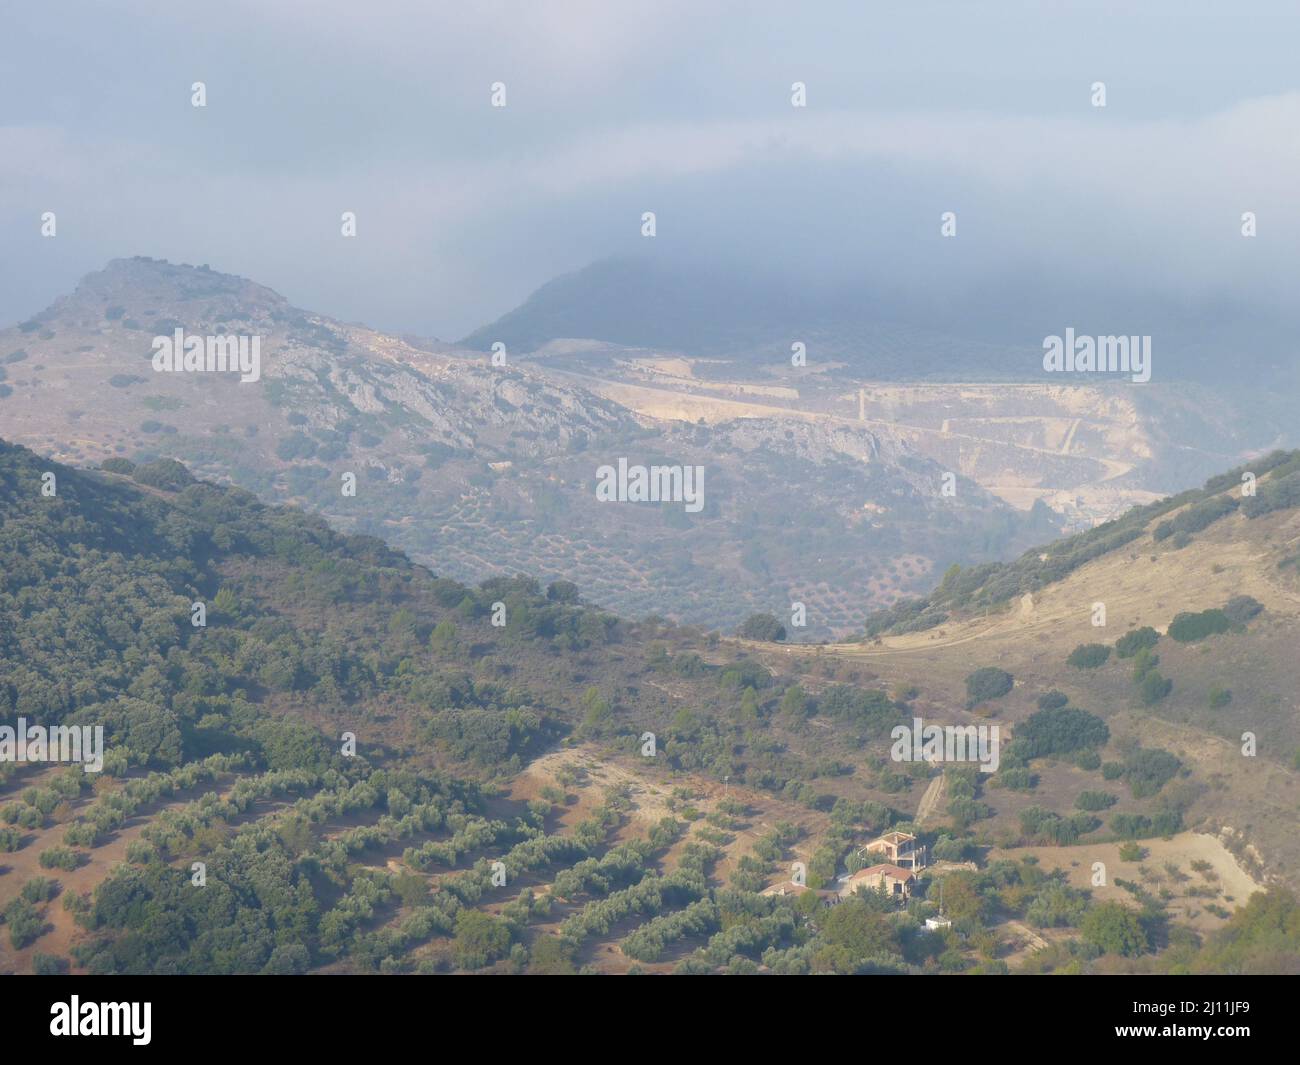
(316, 107)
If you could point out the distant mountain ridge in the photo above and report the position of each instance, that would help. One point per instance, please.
(645, 302)
(996, 333)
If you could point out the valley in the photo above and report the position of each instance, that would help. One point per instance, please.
(483, 469)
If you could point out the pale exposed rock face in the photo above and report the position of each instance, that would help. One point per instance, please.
(1089, 451)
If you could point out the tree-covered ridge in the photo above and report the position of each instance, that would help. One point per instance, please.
(98, 584)
(99, 581)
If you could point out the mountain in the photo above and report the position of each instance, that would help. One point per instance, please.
(481, 469)
(994, 331)
(649, 302)
(1224, 380)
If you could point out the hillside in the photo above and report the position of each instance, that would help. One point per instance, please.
(521, 744)
(485, 470)
(1207, 582)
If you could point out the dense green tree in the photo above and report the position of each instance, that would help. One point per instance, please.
(1137, 640)
(480, 939)
(988, 683)
(1188, 627)
(1114, 929)
(1088, 656)
(762, 627)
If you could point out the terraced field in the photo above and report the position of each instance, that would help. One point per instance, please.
(588, 852)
